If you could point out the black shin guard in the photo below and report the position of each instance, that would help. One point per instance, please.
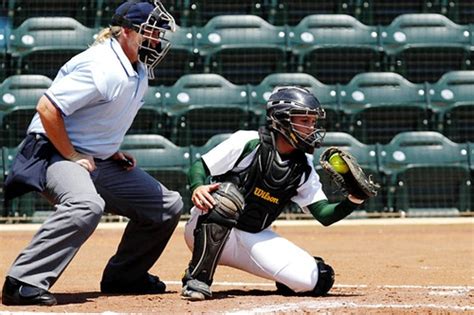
(209, 241)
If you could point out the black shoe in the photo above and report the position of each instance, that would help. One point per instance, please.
(19, 293)
(148, 284)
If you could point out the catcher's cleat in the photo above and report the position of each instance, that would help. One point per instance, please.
(195, 290)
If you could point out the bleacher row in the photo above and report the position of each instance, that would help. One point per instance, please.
(246, 48)
(373, 106)
(395, 78)
(421, 173)
(95, 13)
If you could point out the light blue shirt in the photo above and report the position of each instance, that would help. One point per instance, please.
(99, 93)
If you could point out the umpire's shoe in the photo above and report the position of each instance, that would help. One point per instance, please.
(16, 292)
(147, 284)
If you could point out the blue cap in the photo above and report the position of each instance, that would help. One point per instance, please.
(132, 11)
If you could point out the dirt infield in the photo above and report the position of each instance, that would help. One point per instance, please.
(395, 266)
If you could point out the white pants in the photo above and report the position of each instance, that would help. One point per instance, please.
(264, 254)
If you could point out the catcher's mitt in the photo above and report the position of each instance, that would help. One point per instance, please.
(353, 180)
(229, 201)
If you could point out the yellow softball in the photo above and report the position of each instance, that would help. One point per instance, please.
(338, 164)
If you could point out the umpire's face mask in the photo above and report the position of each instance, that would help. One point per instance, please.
(154, 45)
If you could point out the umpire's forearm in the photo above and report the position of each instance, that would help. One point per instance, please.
(328, 213)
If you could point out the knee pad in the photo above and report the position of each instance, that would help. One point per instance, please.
(325, 278)
(324, 284)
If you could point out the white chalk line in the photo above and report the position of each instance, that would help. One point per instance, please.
(353, 286)
(321, 305)
(312, 305)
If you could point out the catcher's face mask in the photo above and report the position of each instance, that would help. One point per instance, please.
(151, 21)
(294, 113)
(304, 128)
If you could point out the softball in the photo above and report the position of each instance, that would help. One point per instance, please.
(338, 164)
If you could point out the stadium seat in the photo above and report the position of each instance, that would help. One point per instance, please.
(378, 105)
(180, 60)
(334, 48)
(19, 96)
(151, 118)
(422, 47)
(242, 48)
(200, 12)
(41, 45)
(198, 151)
(383, 12)
(4, 58)
(163, 160)
(291, 12)
(202, 105)
(366, 157)
(460, 11)
(326, 94)
(84, 11)
(427, 174)
(452, 100)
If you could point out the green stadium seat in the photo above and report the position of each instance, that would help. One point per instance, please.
(19, 95)
(326, 94)
(383, 12)
(452, 100)
(242, 48)
(427, 174)
(151, 118)
(460, 11)
(200, 12)
(366, 157)
(181, 59)
(334, 48)
(379, 105)
(163, 160)
(4, 57)
(41, 45)
(84, 11)
(202, 105)
(291, 12)
(422, 47)
(198, 151)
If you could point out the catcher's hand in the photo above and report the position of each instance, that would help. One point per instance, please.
(352, 180)
(229, 201)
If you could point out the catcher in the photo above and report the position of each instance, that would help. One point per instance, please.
(241, 186)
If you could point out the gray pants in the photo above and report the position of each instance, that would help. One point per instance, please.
(80, 198)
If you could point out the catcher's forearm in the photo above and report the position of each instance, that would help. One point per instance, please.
(197, 175)
(328, 213)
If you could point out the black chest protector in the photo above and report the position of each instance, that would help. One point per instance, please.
(268, 183)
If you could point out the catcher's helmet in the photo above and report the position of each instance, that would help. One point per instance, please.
(286, 102)
(152, 21)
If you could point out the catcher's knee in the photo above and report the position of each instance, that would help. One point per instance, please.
(325, 278)
(323, 285)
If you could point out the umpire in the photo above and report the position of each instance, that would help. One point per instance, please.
(71, 154)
